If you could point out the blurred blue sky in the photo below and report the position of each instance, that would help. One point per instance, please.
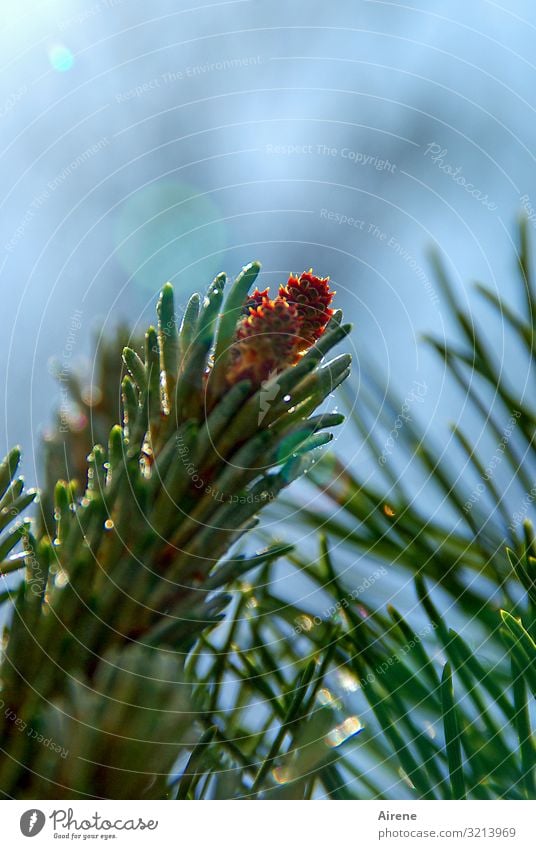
(149, 142)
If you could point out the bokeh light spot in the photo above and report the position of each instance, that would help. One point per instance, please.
(170, 230)
(61, 58)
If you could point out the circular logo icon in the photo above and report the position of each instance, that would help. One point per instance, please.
(32, 822)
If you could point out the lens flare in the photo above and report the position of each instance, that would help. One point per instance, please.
(61, 58)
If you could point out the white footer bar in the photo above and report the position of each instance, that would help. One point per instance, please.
(265, 825)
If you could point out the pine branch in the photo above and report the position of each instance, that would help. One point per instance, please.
(120, 585)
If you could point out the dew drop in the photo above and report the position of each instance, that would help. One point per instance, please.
(347, 680)
(282, 775)
(61, 579)
(405, 778)
(326, 697)
(342, 732)
(430, 730)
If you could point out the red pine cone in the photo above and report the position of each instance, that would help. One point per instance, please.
(267, 341)
(274, 333)
(255, 300)
(312, 297)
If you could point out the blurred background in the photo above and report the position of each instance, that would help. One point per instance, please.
(167, 141)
